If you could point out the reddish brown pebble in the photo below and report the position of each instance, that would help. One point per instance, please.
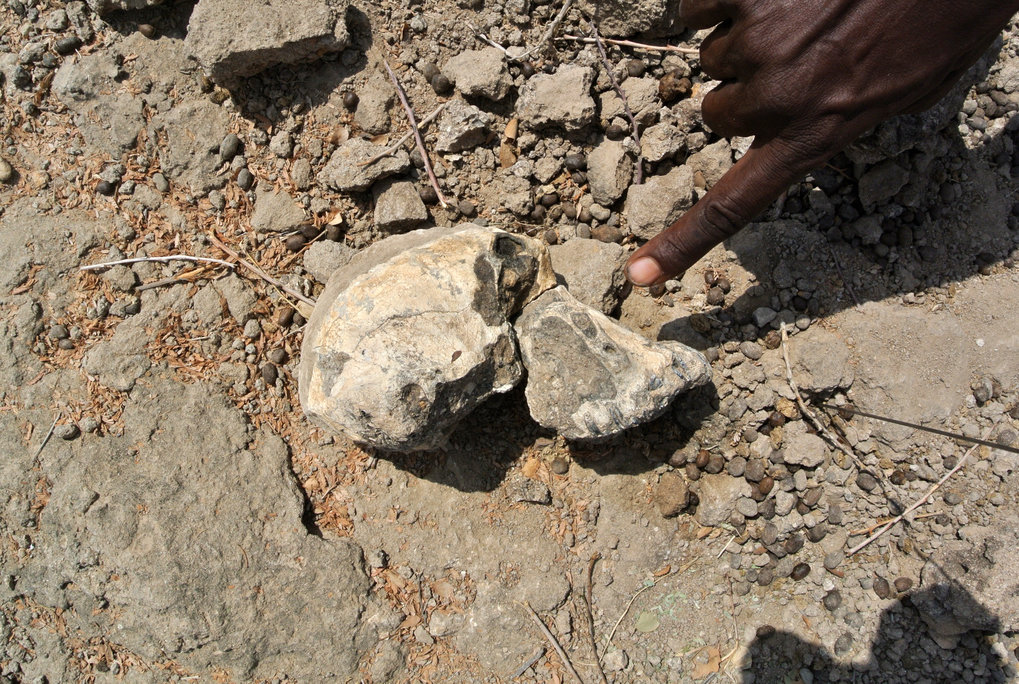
(800, 570)
(776, 419)
(692, 472)
(903, 584)
(350, 100)
(881, 588)
(673, 86)
(897, 477)
(710, 277)
(773, 339)
(299, 319)
(527, 69)
(309, 231)
(765, 631)
(295, 242)
(269, 374)
(766, 485)
(286, 317)
(702, 458)
(724, 285)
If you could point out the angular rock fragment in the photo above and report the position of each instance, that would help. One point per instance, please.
(480, 73)
(276, 212)
(624, 18)
(232, 39)
(641, 97)
(347, 171)
(609, 171)
(102, 7)
(461, 127)
(561, 100)
(592, 271)
(589, 378)
(193, 132)
(653, 206)
(398, 206)
(412, 335)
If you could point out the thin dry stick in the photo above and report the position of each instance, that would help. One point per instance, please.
(807, 412)
(588, 601)
(259, 272)
(163, 259)
(630, 43)
(406, 136)
(530, 661)
(919, 502)
(552, 641)
(842, 276)
(548, 32)
(626, 105)
(879, 523)
(417, 135)
(46, 439)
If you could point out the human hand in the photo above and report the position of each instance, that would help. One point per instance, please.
(806, 78)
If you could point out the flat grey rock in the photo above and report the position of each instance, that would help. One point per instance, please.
(193, 132)
(232, 39)
(592, 271)
(410, 337)
(654, 205)
(625, 18)
(718, 495)
(276, 212)
(589, 378)
(480, 73)
(609, 172)
(346, 170)
(461, 127)
(560, 100)
(102, 7)
(398, 206)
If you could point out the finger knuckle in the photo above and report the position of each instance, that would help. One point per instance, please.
(721, 219)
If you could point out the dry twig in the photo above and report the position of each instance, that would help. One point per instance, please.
(417, 135)
(163, 259)
(821, 429)
(548, 32)
(919, 502)
(630, 43)
(639, 175)
(46, 439)
(588, 601)
(552, 641)
(258, 271)
(406, 136)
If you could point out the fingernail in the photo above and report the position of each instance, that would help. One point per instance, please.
(644, 271)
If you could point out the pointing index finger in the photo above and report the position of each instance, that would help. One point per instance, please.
(747, 189)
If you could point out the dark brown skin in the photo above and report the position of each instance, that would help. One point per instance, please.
(806, 78)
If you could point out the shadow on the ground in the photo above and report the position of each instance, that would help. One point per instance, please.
(901, 651)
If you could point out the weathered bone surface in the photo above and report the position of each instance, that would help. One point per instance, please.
(414, 333)
(588, 377)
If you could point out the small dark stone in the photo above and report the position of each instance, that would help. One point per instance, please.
(579, 177)
(866, 482)
(817, 532)
(776, 419)
(812, 496)
(897, 477)
(949, 462)
(105, 188)
(560, 466)
(527, 69)
(766, 485)
(334, 233)
(575, 162)
(800, 570)
(427, 194)
(270, 374)
(835, 514)
(756, 470)
(66, 344)
(635, 67)
(766, 509)
(350, 100)
(147, 30)
(615, 132)
(656, 290)
(286, 317)
(607, 234)
(59, 332)
(715, 464)
(244, 179)
(843, 644)
(550, 237)
(309, 231)
(67, 45)
(903, 584)
(296, 242)
(766, 577)
(710, 277)
(715, 296)
(550, 199)
(723, 284)
(881, 587)
(468, 208)
(673, 87)
(769, 535)
(299, 319)
(441, 85)
(692, 472)
(801, 507)
(793, 544)
(278, 356)
(737, 466)
(832, 600)
(765, 631)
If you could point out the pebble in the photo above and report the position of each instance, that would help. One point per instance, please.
(89, 424)
(67, 45)
(6, 171)
(270, 374)
(674, 86)
(866, 482)
(881, 587)
(278, 356)
(159, 180)
(835, 514)
(244, 179)
(715, 464)
(746, 507)
(737, 466)
(296, 242)
(59, 332)
(843, 644)
(751, 350)
(834, 559)
(763, 316)
(903, 584)
(560, 466)
(67, 432)
(766, 484)
(832, 600)
(606, 233)
(147, 30)
(765, 631)
(800, 571)
(715, 297)
(793, 544)
(953, 498)
(230, 146)
(105, 188)
(252, 329)
(350, 100)
(755, 470)
(817, 533)
(766, 577)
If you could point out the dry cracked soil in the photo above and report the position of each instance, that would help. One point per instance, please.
(168, 514)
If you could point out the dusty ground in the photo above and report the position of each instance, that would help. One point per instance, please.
(168, 513)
